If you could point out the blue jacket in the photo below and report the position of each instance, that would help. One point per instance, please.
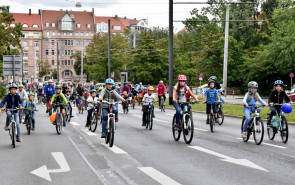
(8, 99)
(211, 96)
(252, 100)
(49, 90)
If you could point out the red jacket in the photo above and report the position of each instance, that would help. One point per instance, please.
(161, 89)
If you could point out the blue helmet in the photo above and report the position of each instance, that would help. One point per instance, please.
(144, 88)
(279, 82)
(109, 81)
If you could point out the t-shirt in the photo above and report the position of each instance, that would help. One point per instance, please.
(181, 98)
(91, 99)
(211, 96)
(148, 99)
(59, 98)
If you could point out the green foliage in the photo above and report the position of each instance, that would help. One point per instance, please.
(44, 69)
(3, 90)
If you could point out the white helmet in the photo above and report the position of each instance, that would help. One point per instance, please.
(50, 81)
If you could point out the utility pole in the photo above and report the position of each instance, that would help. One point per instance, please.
(57, 56)
(225, 59)
(134, 38)
(170, 52)
(35, 70)
(82, 60)
(22, 65)
(109, 48)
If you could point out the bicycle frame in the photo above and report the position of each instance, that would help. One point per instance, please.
(186, 110)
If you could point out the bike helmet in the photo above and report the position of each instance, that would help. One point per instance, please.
(92, 90)
(58, 87)
(211, 81)
(31, 94)
(253, 84)
(79, 84)
(144, 88)
(214, 78)
(181, 78)
(125, 92)
(109, 81)
(161, 81)
(13, 86)
(20, 85)
(151, 88)
(279, 82)
(50, 81)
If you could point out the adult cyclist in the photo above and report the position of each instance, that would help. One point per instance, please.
(49, 91)
(161, 90)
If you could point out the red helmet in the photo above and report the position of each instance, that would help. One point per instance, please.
(181, 78)
(79, 84)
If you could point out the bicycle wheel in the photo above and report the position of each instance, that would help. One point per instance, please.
(211, 123)
(258, 132)
(93, 123)
(29, 125)
(220, 115)
(151, 121)
(107, 138)
(58, 124)
(111, 133)
(175, 130)
(12, 135)
(271, 132)
(284, 130)
(242, 127)
(188, 132)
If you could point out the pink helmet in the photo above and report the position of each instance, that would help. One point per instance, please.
(181, 78)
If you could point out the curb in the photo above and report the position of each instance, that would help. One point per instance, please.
(228, 115)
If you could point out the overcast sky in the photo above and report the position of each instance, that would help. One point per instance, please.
(156, 11)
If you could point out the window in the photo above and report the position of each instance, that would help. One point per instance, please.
(71, 42)
(53, 33)
(58, 33)
(35, 26)
(25, 26)
(91, 34)
(47, 24)
(117, 28)
(26, 63)
(36, 53)
(87, 34)
(88, 26)
(46, 42)
(102, 27)
(25, 53)
(52, 62)
(26, 34)
(65, 34)
(52, 52)
(78, 25)
(46, 51)
(68, 73)
(25, 44)
(82, 34)
(53, 25)
(12, 25)
(71, 33)
(76, 34)
(78, 43)
(36, 43)
(47, 34)
(36, 35)
(66, 52)
(52, 42)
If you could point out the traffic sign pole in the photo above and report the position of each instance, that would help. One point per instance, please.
(291, 76)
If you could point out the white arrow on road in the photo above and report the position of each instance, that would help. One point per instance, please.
(44, 173)
(242, 162)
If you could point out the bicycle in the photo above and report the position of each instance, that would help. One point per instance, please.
(95, 116)
(111, 125)
(278, 125)
(186, 124)
(68, 112)
(212, 119)
(149, 117)
(255, 126)
(59, 118)
(125, 107)
(220, 114)
(133, 102)
(162, 102)
(12, 126)
(80, 106)
(48, 105)
(41, 99)
(29, 120)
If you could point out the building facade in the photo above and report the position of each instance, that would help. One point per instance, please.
(52, 36)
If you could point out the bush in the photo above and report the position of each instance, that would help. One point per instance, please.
(2, 90)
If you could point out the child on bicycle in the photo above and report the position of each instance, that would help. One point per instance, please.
(12, 101)
(108, 94)
(211, 98)
(30, 105)
(277, 96)
(250, 99)
(59, 98)
(92, 101)
(179, 96)
(69, 97)
(147, 99)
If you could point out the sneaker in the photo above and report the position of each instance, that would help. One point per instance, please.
(18, 139)
(207, 121)
(64, 124)
(6, 128)
(244, 135)
(103, 135)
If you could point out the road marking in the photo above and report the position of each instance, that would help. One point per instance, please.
(200, 129)
(115, 149)
(268, 144)
(170, 114)
(242, 162)
(44, 173)
(86, 131)
(96, 172)
(163, 121)
(75, 123)
(158, 176)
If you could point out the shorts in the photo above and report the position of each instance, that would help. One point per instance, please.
(208, 108)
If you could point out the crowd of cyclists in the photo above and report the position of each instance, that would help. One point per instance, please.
(89, 96)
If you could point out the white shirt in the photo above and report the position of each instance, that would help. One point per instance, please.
(91, 99)
(181, 98)
(148, 99)
(23, 95)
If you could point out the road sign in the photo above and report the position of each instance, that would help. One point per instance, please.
(12, 63)
(124, 77)
(201, 77)
(291, 75)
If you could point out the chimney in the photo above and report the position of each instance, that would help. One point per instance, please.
(92, 10)
(116, 16)
(125, 17)
(39, 11)
(30, 12)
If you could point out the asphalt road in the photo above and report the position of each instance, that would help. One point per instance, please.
(143, 157)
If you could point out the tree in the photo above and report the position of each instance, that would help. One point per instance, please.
(44, 69)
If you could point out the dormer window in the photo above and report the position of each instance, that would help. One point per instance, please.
(53, 25)
(35, 26)
(66, 22)
(25, 26)
(47, 24)
(88, 26)
(78, 25)
(12, 25)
